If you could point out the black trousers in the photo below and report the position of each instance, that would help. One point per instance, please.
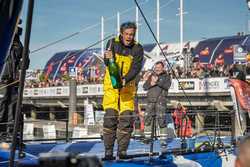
(117, 126)
(159, 111)
(8, 101)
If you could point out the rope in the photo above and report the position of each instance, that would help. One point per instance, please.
(10, 84)
(90, 46)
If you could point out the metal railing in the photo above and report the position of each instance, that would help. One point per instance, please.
(63, 129)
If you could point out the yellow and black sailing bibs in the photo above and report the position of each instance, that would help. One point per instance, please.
(127, 93)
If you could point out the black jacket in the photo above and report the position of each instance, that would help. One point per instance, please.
(248, 70)
(12, 62)
(158, 92)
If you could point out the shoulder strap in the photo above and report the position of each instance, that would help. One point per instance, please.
(117, 39)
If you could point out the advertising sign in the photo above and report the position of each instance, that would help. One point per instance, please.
(186, 85)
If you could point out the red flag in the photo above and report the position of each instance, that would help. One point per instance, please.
(242, 90)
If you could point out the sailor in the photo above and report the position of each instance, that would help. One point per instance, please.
(119, 103)
(182, 121)
(238, 71)
(157, 84)
(10, 74)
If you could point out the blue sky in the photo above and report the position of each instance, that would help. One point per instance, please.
(54, 19)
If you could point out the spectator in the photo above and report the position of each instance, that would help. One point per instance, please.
(248, 68)
(238, 71)
(196, 59)
(248, 57)
(243, 157)
(182, 122)
(248, 64)
(156, 84)
(219, 61)
(64, 68)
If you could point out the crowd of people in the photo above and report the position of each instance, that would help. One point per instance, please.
(41, 80)
(201, 70)
(93, 74)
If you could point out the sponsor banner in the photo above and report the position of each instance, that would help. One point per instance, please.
(173, 86)
(207, 85)
(248, 80)
(58, 91)
(186, 85)
(35, 92)
(84, 90)
(100, 89)
(213, 85)
(92, 89)
(26, 92)
(72, 71)
(242, 90)
(226, 84)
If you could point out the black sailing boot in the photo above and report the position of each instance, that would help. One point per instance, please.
(109, 140)
(123, 139)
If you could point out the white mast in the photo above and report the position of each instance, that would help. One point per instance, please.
(137, 23)
(118, 23)
(102, 36)
(158, 25)
(181, 26)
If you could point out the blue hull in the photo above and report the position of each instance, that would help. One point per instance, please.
(204, 159)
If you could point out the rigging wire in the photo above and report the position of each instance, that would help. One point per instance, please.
(168, 63)
(69, 56)
(81, 30)
(90, 27)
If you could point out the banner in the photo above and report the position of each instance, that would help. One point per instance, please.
(212, 85)
(209, 85)
(242, 90)
(192, 85)
(186, 85)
